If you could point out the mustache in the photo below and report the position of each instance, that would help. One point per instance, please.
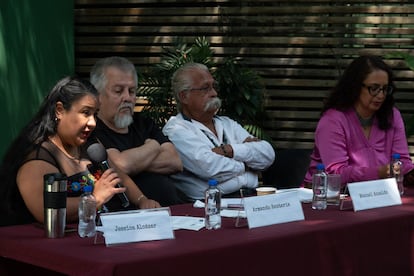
(213, 104)
(130, 106)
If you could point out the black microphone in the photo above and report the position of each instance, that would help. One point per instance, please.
(98, 155)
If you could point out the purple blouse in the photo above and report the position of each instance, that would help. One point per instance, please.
(340, 144)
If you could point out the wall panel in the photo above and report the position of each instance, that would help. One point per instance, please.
(298, 47)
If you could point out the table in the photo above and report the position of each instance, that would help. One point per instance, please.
(331, 242)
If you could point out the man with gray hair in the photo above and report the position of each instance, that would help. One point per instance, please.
(134, 143)
(211, 146)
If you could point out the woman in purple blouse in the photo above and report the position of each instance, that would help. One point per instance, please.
(360, 128)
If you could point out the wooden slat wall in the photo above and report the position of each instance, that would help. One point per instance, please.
(298, 47)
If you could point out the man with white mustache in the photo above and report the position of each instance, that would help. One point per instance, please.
(211, 146)
(133, 142)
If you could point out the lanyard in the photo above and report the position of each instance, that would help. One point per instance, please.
(207, 135)
(211, 139)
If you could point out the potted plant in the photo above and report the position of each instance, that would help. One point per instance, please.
(240, 88)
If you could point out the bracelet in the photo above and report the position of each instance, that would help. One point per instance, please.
(224, 150)
(139, 198)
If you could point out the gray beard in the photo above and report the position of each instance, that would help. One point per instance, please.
(123, 121)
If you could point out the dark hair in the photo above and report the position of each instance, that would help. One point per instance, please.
(348, 89)
(68, 90)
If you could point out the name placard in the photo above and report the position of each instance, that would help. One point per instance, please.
(273, 209)
(374, 194)
(136, 226)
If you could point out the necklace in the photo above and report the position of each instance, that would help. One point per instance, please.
(365, 123)
(75, 157)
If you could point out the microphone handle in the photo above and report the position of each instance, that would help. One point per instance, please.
(122, 196)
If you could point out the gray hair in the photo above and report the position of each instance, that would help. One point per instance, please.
(98, 77)
(181, 81)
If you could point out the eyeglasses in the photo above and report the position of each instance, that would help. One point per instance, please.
(375, 89)
(206, 89)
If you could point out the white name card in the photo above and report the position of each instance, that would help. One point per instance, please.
(273, 209)
(137, 225)
(374, 194)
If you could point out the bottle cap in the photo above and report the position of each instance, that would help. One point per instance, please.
(212, 182)
(320, 166)
(396, 156)
(87, 189)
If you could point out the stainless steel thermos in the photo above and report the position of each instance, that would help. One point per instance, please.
(54, 198)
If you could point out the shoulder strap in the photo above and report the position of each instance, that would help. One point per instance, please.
(45, 152)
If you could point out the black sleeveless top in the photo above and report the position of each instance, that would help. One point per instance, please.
(77, 179)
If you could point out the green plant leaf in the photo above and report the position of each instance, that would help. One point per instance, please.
(240, 88)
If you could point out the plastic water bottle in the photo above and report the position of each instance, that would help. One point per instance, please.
(320, 188)
(212, 205)
(396, 171)
(87, 213)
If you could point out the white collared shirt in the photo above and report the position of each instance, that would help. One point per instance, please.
(194, 142)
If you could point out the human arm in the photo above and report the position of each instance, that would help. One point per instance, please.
(134, 194)
(196, 153)
(137, 159)
(226, 150)
(256, 154)
(344, 150)
(143, 148)
(167, 162)
(30, 183)
(201, 163)
(399, 142)
(151, 156)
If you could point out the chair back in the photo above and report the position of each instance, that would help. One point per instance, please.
(288, 170)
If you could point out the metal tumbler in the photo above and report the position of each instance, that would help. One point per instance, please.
(54, 199)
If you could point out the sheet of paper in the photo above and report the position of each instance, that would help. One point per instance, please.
(225, 203)
(305, 195)
(232, 213)
(187, 223)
